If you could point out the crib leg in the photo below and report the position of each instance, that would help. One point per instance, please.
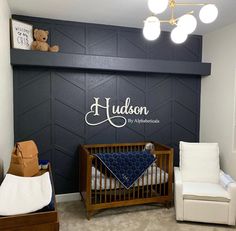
(167, 204)
(89, 214)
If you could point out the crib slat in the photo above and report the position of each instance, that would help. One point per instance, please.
(110, 187)
(151, 178)
(143, 186)
(95, 182)
(119, 191)
(165, 174)
(133, 191)
(105, 185)
(100, 182)
(138, 187)
(160, 173)
(115, 189)
(156, 177)
(90, 182)
(147, 184)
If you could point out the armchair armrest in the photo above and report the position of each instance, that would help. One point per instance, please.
(179, 203)
(225, 180)
(232, 206)
(178, 175)
(230, 185)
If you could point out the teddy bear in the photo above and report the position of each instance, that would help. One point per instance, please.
(40, 43)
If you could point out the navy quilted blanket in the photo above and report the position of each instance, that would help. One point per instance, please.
(126, 167)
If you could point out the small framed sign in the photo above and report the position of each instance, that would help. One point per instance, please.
(22, 35)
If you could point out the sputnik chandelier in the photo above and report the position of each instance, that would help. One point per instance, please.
(183, 25)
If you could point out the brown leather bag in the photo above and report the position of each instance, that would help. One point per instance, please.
(24, 159)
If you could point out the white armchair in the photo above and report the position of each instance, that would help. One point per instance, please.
(200, 194)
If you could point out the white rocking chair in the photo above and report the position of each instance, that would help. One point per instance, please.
(203, 193)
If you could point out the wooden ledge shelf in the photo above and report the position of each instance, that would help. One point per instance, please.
(79, 61)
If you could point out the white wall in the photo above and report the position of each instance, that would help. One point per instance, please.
(6, 87)
(218, 93)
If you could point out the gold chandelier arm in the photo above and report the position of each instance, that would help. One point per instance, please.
(170, 21)
(172, 13)
(190, 12)
(173, 21)
(165, 21)
(191, 4)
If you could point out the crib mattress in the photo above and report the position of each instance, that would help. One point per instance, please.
(152, 176)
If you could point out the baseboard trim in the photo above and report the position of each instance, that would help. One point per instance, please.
(67, 197)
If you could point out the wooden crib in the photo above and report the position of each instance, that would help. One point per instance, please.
(100, 191)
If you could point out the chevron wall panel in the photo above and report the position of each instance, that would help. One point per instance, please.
(50, 105)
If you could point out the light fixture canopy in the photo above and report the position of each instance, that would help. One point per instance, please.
(208, 13)
(157, 6)
(184, 25)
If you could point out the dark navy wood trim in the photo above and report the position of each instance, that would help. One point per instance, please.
(79, 61)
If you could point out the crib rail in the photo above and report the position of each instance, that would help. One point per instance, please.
(153, 183)
(103, 191)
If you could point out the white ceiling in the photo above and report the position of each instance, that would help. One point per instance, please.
(129, 13)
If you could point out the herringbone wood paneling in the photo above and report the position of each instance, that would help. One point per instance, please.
(58, 100)
(50, 105)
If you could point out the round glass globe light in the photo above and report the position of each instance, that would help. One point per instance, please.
(208, 13)
(152, 30)
(187, 23)
(178, 36)
(157, 6)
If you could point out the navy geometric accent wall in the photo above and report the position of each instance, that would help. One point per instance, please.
(50, 104)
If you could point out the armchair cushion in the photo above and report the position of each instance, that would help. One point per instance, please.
(205, 192)
(199, 162)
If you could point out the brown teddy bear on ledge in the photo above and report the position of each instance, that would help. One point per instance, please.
(40, 43)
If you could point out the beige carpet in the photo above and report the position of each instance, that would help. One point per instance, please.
(135, 218)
